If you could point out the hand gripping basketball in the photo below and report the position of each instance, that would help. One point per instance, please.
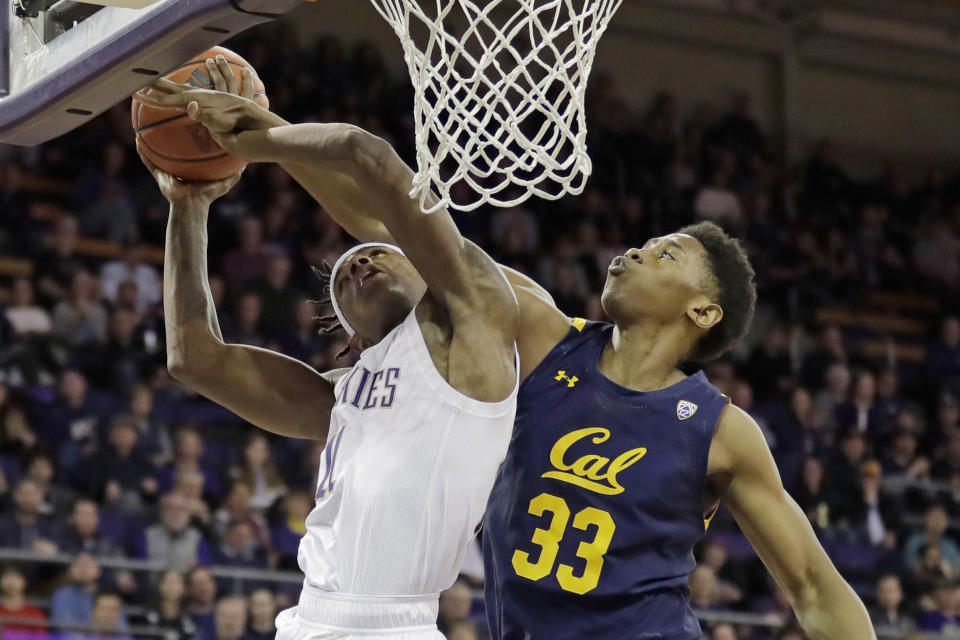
(222, 110)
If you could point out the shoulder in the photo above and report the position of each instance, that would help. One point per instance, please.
(738, 443)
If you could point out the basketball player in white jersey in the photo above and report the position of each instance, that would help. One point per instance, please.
(415, 430)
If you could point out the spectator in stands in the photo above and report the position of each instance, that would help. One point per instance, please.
(168, 614)
(890, 402)
(246, 328)
(107, 620)
(791, 633)
(80, 318)
(123, 360)
(231, 618)
(872, 514)
(188, 453)
(82, 534)
(860, 411)
(715, 557)
(130, 267)
(153, 435)
(201, 601)
(238, 507)
(239, 549)
(811, 495)
(718, 203)
(127, 296)
(247, 262)
(13, 604)
(278, 297)
(120, 473)
(769, 364)
(285, 535)
(174, 541)
(798, 435)
(17, 438)
(932, 568)
(73, 603)
(901, 458)
(463, 630)
(943, 357)
(24, 315)
(26, 528)
(70, 421)
(455, 605)
(947, 422)
(517, 221)
(189, 485)
(830, 350)
(56, 497)
(112, 217)
(724, 631)
(947, 468)
(302, 340)
(704, 591)
(833, 395)
(56, 264)
(936, 254)
(945, 615)
(935, 527)
(263, 612)
(891, 615)
(844, 465)
(259, 472)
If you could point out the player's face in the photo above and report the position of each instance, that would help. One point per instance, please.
(663, 279)
(377, 288)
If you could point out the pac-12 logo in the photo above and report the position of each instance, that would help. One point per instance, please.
(686, 409)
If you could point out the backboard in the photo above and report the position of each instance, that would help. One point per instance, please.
(63, 62)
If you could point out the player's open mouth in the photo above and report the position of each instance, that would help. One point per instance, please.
(368, 275)
(617, 266)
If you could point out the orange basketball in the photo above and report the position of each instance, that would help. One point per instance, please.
(177, 144)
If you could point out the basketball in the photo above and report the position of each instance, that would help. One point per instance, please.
(177, 144)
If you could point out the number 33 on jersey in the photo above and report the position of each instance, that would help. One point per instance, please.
(592, 520)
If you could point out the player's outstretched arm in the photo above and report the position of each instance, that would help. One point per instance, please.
(267, 389)
(250, 132)
(743, 473)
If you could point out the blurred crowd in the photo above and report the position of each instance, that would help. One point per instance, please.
(104, 457)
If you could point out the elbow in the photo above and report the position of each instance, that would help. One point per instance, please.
(178, 369)
(366, 151)
(189, 363)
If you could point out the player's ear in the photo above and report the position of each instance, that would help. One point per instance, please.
(705, 314)
(359, 344)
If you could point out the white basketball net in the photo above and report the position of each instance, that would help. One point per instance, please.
(499, 95)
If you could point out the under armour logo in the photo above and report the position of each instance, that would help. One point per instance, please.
(686, 409)
(571, 382)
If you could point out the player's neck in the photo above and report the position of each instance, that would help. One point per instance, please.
(643, 357)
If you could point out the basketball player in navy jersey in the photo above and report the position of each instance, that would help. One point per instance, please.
(618, 459)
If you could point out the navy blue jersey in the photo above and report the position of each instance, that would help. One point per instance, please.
(590, 528)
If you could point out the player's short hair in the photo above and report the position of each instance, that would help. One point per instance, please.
(733, 285)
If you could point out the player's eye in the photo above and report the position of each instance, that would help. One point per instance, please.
(666, 253)
(377, 252)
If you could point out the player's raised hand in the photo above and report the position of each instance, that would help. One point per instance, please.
(226, 110)
(178, 191)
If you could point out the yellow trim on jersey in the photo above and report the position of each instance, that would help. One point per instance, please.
(579, 323)
(708, 519)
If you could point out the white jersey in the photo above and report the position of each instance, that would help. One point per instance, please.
(404, 477)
